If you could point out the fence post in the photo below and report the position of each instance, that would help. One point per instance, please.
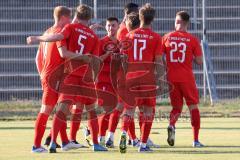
(195, 14)
(95, 9)
(204, 40)
(80, 1)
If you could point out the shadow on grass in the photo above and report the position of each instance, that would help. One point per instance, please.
(162, 150)
(159, 151)
(195, 152)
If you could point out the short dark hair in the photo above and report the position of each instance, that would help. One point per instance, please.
(147, 13)
(112, 19)
(134, 21)
(184, 16)
(130, 7)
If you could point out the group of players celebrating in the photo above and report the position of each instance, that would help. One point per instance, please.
(119, 72)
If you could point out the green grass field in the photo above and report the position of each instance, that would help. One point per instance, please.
(220, 135)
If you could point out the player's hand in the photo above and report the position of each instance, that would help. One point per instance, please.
(123, 57)
(95, 26)
(106, 55)
(124, 62)
(116, 56)
(160, 84)
(32, 40)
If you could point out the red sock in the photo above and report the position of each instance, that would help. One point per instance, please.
(146, 128)
(40, 126)
(75, 123)
(113, 120)
(63, 133)
(126, 122)
(93, 126)
(103, 121)
(131, 130)
(195, 121)
(141, 117)
(59, 120)
(174, 115)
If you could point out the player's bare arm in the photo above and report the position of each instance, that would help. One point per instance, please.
(45, 38)
(124, 61)
(199, 60)
(96, 26)
(64, 53)
(159, 65)
(95, 64)
(106, 55)
(159, 71)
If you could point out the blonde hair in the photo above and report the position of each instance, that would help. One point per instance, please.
(60, 11)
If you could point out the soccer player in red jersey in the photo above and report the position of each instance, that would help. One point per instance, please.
(129, 8)
(181, 49)
(104, 78)
(47, 59)
(146, 48)
(109, 45)
(132, 23)
(81, 40)
(121, 35)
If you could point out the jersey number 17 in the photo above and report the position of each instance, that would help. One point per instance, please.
(138, 55)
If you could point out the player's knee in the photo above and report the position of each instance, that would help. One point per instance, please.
(91, 114)
(177, 109)
(76, 109)
(108, 109)
(129, 112)
(62, 107)
(119, 107)
(192, 107)
(148, 113)
(46, 109)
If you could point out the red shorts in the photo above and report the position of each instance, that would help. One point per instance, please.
(106, 87)
(183, 90)
(142, 98)
(148, 102)
(73, 94)
(50, 96)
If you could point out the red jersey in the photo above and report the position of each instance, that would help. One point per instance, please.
(146, 45)
(48, 56)
(122, 32)
(81, 40)
(180, 49)
(104, 75)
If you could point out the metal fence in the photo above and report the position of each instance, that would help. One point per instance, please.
(18, 74)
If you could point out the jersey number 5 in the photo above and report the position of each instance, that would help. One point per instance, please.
(81, 44)
(178, 47)
(136, 41)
